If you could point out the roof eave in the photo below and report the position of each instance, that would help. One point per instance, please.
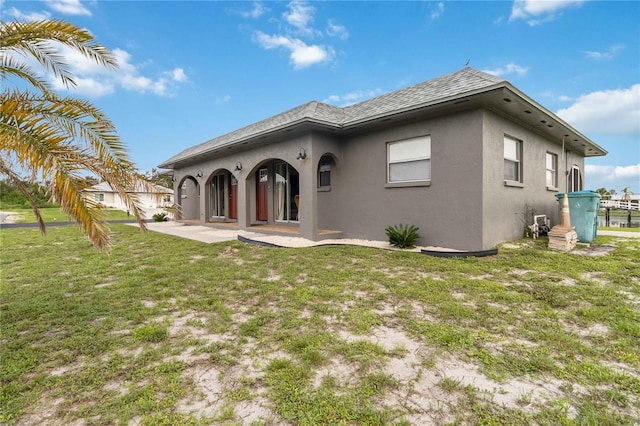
(171, 163)
(432, 103)
(552, 116)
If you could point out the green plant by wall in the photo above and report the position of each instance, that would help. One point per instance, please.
(402, 236)
(160, 217)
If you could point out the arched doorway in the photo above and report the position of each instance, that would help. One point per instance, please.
(278, 188)
(189, 199)
(222, 196)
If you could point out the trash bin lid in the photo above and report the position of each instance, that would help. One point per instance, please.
(579, 194)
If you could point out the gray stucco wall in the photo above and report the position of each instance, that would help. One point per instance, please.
(465, 206)
(448, 212)
(504, 206)
(251, 160)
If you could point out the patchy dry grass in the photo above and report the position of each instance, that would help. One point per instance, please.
(166, 331)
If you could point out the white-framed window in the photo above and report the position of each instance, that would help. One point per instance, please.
(575, 179)
(409, 160)
(183, 190)
(512, 159)
(551, 162)
(324, 172)
(99, 198)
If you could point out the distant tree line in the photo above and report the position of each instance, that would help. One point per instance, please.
(12, 198)
(158, 178)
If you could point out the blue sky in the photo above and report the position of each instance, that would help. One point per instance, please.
(193, 70)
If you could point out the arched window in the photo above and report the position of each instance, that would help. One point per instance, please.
(575, 179)
(324, 172)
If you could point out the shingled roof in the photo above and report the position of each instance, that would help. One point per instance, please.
(457, 84)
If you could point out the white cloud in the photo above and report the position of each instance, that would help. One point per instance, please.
(537, 12)
(89, 86)
(612, 173)
(607, 54)
(258, 10)
(223, 99)
(94, 80)
(299, 19)
(627, 171)
(606, 112)
(301, 54)
(29, 17)
(437, 11)
(68, 7)
(178, 75)
(510, 68)
(336, 30)
(300, 15)
(352, 98)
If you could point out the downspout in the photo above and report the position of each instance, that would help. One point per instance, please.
(566, 168)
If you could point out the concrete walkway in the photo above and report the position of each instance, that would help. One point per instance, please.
(209, 235)
(626, 234)
(204, 234)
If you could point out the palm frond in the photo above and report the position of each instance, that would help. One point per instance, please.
(67, 190)
(60, 138)
(10, 66)
(63, 138)
(37, 39)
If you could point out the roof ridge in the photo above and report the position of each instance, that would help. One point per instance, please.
(458, 83)
(312, 107)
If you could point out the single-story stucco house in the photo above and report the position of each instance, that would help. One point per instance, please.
(156, 196)
(462, 156)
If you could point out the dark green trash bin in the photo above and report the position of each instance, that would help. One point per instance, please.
(583, 209)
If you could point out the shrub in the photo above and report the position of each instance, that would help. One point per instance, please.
(402, 236)
(160, 217)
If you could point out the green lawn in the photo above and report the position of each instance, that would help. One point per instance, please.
(617, 213)
(167, 331)
(54, 214)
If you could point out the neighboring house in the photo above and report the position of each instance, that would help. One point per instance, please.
(626, 197)
(462, 156)
(155, 197)
(633, 198)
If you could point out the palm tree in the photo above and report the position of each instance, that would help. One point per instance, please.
(55, 139)
(603, 193)
(627, 193)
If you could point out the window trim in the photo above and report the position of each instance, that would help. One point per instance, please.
(327, 164)
(519, 182)
(553, 170)
(407, 183)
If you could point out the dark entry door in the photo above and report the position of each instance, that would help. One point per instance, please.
(233, 196)
(261, 195)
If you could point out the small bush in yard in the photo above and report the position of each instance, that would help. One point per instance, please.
(160, 217)
(402, 236)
